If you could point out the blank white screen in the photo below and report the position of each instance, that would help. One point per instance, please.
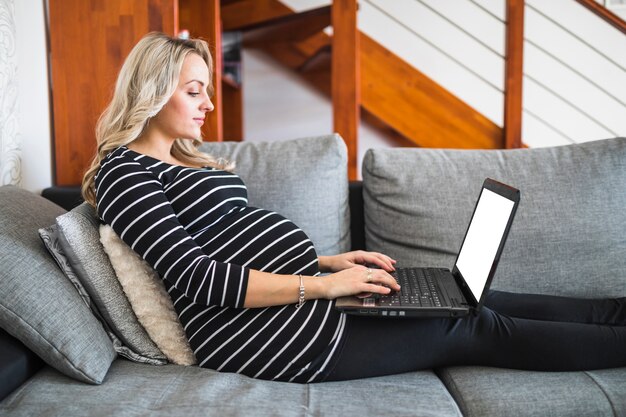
(483, 239)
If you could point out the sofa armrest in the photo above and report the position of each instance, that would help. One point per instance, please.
(17, 364)
(66, 197)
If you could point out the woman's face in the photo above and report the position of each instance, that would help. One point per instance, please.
(184, 113)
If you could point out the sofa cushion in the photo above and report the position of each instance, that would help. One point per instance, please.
(50, 236)
(568, 234)
(17, 363)
(305, 180)
(38, 305)
(79, 239)
(174, 390)
(484, 392)
(613, 383)
(148, 297)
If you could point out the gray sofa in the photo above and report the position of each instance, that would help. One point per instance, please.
(568, 238)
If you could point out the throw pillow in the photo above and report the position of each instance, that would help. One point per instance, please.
(50, 237)
(149, 299)
(38, 305)
(79, 239)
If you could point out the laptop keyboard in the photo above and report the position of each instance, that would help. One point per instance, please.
(417, 288)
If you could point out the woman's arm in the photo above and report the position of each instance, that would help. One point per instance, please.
(265, 289)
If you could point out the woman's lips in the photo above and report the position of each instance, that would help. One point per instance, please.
(199, 121)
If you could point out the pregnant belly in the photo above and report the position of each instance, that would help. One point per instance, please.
(262, 240)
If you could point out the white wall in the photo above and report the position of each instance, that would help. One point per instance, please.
(575, 75)
(33, 99)
(278, 105)
(25, 119)
(10, 172)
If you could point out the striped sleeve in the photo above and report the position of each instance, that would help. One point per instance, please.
(132, 201)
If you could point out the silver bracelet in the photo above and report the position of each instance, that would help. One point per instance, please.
(301, 299)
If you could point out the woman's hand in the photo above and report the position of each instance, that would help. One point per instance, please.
(359, 280)
(350, 278)
(347, 260)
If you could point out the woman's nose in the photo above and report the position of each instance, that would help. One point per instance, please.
(208, 105)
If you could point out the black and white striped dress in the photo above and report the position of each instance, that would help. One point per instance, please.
(193, 225)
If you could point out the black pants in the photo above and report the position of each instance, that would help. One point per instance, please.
(516, 331)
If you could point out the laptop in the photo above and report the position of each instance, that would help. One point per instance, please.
(439, 292)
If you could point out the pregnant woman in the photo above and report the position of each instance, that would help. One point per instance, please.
(246, 282)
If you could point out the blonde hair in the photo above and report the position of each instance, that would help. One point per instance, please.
(147, 80)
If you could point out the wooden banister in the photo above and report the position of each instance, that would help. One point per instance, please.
(514, 73)
(202, 19)
(345, 84)
(610, 17)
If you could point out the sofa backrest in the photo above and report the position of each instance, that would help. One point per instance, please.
(568, 237)
(305, 180)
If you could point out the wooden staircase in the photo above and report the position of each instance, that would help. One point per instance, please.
(413, 108)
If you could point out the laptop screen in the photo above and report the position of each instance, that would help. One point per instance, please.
(483, 239)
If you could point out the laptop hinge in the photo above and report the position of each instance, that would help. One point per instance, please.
(467, 293)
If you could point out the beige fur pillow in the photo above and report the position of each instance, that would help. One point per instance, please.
(148, 298)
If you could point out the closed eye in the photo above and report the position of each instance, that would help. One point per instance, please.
(192, 94)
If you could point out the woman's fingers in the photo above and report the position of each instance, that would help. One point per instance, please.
(360, 279)
(377, 278)
(379, 259)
